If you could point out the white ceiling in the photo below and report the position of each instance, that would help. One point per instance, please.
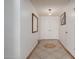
(42, 6)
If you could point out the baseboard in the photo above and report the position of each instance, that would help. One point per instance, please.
(47, 39)
(32, 51)
(66, 50)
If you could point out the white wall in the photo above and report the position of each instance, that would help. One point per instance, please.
(19, 39)
(12, 29)
(49, 27)
(68, 39)
(28, 39)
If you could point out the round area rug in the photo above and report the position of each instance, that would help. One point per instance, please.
(49, 45)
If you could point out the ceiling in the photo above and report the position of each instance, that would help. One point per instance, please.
(42, 6)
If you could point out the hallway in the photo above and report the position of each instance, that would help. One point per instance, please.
(28, 22)
(50, 49)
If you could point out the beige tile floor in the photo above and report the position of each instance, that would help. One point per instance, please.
(49, 49)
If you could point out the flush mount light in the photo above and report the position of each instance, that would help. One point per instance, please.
(50, 13)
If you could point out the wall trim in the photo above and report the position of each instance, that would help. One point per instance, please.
(66, 50)
(32, 50)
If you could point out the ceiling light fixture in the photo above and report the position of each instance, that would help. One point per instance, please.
(50, 13)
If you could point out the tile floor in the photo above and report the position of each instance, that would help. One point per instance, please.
(49, 49)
